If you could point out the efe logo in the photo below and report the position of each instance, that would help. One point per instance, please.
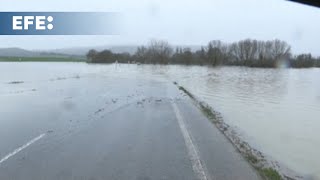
(23, 22)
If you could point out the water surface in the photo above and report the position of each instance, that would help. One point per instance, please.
(276, 110)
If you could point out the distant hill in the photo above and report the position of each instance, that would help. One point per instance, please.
(74, 52)
(77, 51)
(82, 51)
(17, 52)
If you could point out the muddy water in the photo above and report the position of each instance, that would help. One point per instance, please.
(276, 110)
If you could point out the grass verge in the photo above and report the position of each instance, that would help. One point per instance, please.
(270, 173)
(254, 157)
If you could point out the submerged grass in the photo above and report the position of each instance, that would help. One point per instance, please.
(252, 159)
(270, 173)
(185, 91)
(15, 82)
(266, 173)
(208, 112)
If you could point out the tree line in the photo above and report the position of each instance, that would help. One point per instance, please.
(248, 52)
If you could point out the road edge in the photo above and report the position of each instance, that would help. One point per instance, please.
(267, 168)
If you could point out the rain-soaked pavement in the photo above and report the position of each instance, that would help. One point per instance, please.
(98, 127)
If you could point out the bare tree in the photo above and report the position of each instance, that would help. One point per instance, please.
(159, 51)
(215, 51)
(141, 54)
(280, 49)
(91, 55)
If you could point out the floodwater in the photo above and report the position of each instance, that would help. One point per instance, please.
(275, 110)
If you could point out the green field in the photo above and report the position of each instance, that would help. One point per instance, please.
(42, 59)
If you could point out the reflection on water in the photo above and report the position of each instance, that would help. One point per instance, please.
(276, 110)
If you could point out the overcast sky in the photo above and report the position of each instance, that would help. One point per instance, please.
(181, 22)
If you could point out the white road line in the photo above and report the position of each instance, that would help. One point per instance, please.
(192, 151)
(21, 148)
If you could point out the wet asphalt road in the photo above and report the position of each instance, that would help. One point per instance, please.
(124, 129)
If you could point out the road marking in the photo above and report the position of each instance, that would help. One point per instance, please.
(192, 151)
(21, 148)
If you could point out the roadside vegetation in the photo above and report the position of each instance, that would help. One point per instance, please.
(42, 59)
(248, 52)
(253, 156)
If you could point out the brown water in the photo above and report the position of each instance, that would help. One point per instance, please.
(276, 110)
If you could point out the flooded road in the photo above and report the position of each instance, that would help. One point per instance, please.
(79, 121)
(275, 110)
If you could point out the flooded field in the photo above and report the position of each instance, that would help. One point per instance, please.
(276, 110)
